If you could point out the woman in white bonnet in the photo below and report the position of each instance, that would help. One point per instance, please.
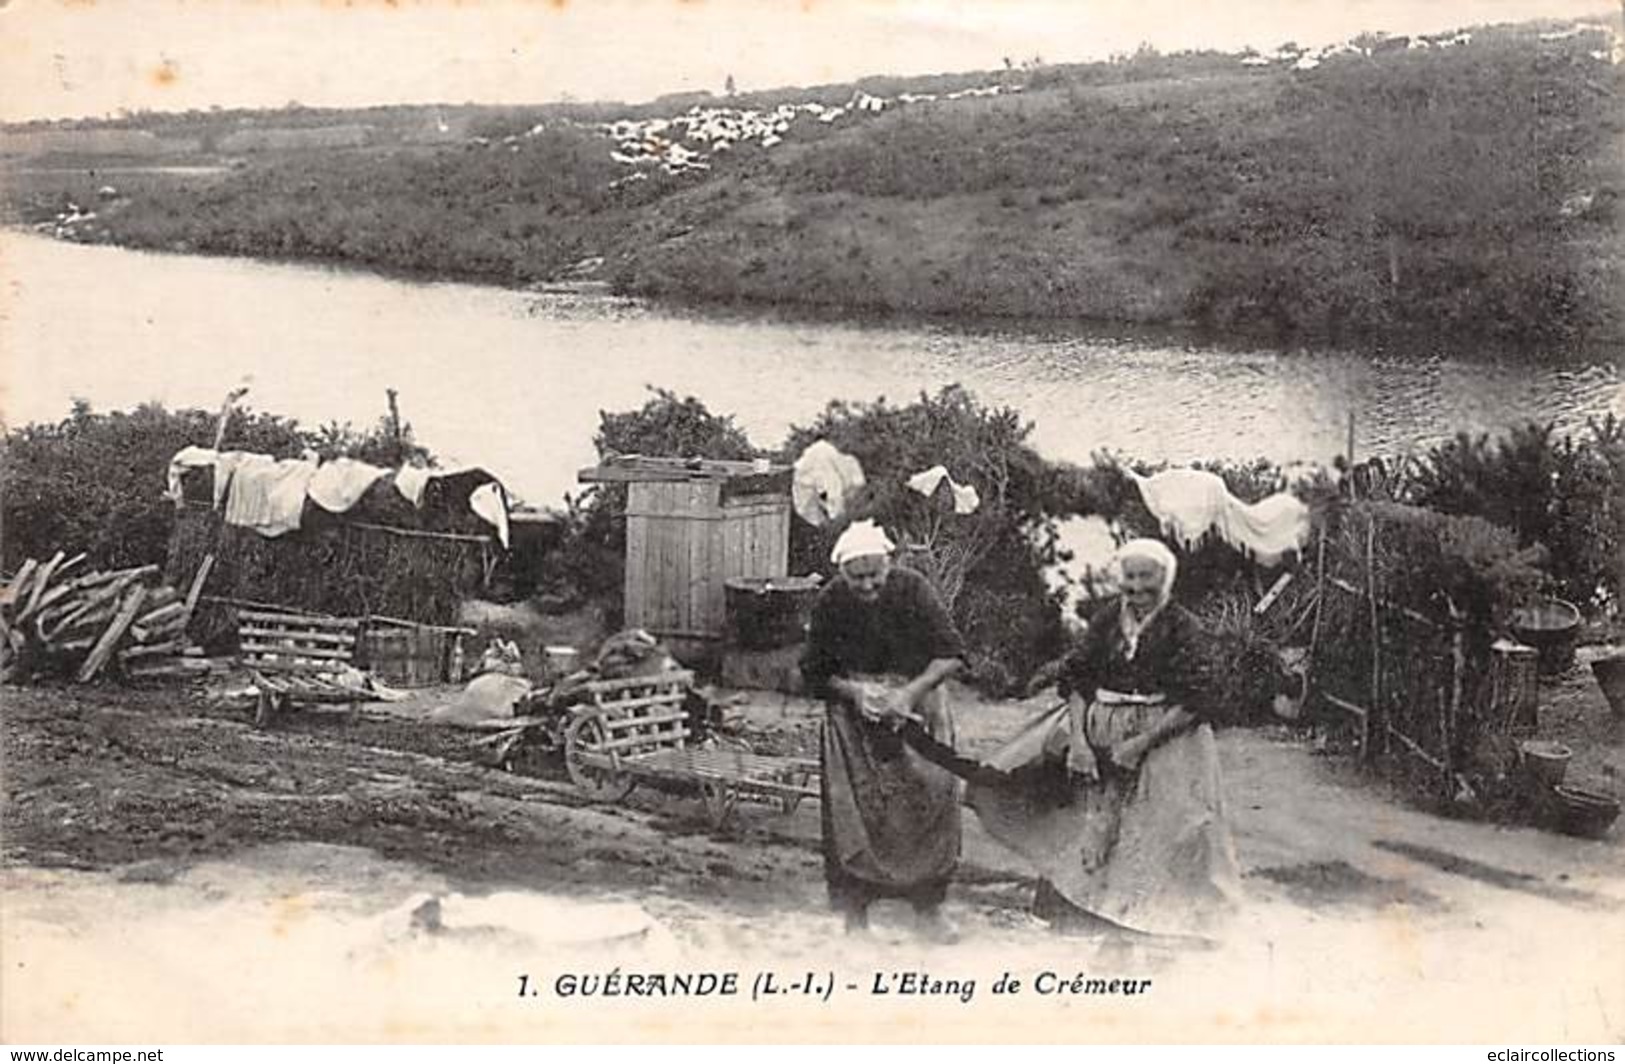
(879, 647)
(1116, 797)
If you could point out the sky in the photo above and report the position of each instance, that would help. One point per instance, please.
(78, 58)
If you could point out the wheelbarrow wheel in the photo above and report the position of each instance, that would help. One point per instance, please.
(583, 738)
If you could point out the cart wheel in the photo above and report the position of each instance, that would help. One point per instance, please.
(585, 735)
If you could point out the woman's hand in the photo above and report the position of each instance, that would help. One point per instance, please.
(850, 693)
(1128, 753)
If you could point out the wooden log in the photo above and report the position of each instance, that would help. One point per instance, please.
(42, 580)
(157, 633)
(151, 650)
(109, 641)
(1274, 593)
(160, 597)
(42, 583)
(57, 611)
(109, 576)
(51, 598)
(148, 672)
(196, 590)
(19, 583)
(107, 593)
(92, 621)
(170, 611)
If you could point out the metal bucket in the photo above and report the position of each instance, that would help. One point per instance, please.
(1551, 627)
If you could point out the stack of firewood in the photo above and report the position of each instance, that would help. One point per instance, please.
(55, 620)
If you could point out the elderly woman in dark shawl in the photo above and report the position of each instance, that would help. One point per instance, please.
(1115, 796)
(879, 647)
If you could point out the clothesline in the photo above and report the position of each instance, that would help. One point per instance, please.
(463, 537)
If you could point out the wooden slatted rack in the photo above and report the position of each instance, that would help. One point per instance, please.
(289, 655)
(637, 729)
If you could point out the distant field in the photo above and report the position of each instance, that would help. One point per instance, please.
(1469, 193)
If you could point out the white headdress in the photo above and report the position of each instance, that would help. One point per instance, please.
(861, 539)
(1153, 550)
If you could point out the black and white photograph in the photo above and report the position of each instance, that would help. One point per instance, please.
(812, 521)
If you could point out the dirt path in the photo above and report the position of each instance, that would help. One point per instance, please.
(162, 846)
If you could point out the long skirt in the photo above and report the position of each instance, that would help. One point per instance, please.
(1148, 849)
(891, 818)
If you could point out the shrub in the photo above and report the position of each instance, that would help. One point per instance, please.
(96, 482)
(592, 552)
(1561, 493)
(987, 565)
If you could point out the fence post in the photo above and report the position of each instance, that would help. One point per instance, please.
(1376, 715)
(1320, 609)
(1458, 676)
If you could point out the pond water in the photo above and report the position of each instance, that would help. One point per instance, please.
(516, 380)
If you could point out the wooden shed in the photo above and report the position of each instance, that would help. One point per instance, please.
(691, 526)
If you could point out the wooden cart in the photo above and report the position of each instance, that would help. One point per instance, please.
(291, 657)
(637, 731)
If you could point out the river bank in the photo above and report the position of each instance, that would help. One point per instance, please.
(1189, 191)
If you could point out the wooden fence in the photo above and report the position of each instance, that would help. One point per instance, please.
(1409, 683)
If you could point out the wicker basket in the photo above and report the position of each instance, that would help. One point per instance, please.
(1547, 762)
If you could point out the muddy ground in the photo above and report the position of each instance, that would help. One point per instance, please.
(166, 810)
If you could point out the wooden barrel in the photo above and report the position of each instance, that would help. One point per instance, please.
(407, 656)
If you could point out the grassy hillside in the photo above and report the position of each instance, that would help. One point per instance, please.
(1470, 193)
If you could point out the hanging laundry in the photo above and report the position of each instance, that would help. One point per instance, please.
(268, 496)
(188, 458)
(489, 502)
(410, 482)
(413, 481)
(824, 481)
(966, 500)
(224, 464)
(1191, 503)
(338, 485)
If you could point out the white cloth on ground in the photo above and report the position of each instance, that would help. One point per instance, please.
(268, 496)
(1190, 503)
(338, 485)
(823, 481)
(966, 498)
(487, 696)
(491, 505)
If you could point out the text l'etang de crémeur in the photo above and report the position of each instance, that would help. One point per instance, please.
(824, 985)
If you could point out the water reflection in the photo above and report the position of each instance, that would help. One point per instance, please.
(517, 380)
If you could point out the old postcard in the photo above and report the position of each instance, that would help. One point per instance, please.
(821, 521)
